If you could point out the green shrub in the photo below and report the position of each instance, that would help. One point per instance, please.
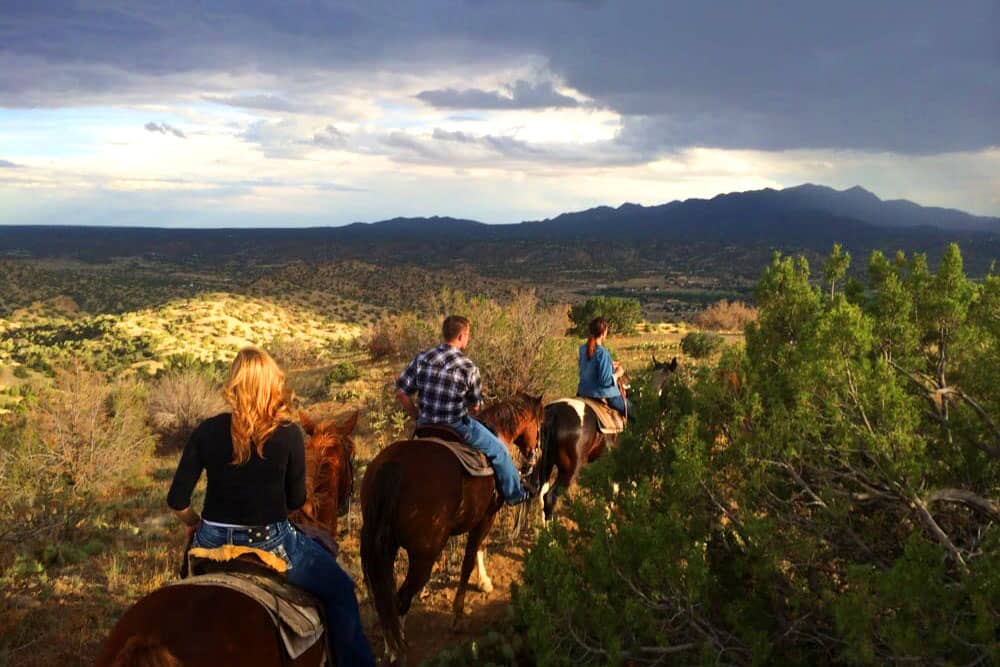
(622, 314)
(341, 373)
(824, 495)
(700, 344)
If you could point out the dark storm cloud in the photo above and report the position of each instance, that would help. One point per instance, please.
(910, 76)
(163, 128)
(520, 95)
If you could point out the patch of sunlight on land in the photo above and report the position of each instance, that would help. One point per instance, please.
(214, 326)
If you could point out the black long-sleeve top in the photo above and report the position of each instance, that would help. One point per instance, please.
(258, 492)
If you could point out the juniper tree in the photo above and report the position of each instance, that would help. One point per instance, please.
(827, 493)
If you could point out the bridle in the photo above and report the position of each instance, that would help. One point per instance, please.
(538, 453)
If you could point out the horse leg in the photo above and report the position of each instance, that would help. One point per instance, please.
(472, 545)
(543, 494)
(485, 583)
(417, 576)
(563, 482)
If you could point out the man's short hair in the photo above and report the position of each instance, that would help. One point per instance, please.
(453, 327)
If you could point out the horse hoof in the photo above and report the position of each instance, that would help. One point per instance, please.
(486, 587)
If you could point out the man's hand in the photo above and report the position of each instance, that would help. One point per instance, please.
(407, 404)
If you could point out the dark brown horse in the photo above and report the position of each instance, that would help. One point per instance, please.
(415, 495)
(211, 626)
(572, 440)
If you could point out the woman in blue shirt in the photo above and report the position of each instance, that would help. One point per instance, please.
(599, 375)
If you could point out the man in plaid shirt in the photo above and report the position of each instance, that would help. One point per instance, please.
(449, 387)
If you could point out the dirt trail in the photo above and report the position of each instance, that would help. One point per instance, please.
(429, 624)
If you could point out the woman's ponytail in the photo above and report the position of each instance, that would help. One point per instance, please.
(598, 327)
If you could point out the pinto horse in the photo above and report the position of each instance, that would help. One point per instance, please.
(415, 495)
(209, 626)
(570, 442)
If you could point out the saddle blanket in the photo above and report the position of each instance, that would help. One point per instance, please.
(295, 612)
(473, 460)
(609, 420)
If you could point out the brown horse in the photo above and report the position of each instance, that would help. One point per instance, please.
(572, 440)
(210, 626)
(329, 473)
(415, 495)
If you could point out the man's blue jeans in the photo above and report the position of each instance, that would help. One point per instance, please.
(314, 569)
(507, 479)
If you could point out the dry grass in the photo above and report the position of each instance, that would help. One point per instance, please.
(178, 402)
(726, 316)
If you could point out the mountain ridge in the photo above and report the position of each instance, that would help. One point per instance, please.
(806, 216)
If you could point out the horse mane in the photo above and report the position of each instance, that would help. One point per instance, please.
(507, 416)
(318, 452)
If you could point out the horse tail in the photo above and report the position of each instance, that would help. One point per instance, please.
(549, 443)
(378, 550)
(141, 651)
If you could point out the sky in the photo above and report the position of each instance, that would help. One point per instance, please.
(208, 113)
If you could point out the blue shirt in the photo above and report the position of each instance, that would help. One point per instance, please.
(447, 382)
(597, 377)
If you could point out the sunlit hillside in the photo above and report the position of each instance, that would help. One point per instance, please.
(209, 328)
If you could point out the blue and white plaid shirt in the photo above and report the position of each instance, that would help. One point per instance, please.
(447, 381)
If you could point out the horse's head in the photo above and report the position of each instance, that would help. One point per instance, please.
(518, 421)
(329, 468)
(661, 371)
(530, 426)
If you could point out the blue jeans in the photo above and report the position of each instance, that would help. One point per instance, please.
(312, 568)
(618, 403)
(507, 479)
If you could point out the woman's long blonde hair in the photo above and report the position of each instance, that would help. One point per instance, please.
(256, 392)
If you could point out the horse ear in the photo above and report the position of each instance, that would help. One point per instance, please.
(655, 362)
(347, 426)
(673, 364)
(307, 424)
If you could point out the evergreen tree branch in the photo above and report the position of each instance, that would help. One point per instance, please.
(932, 526)
(984, 505)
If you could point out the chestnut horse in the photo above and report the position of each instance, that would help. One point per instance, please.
(210, 626)
(415, 495)
(570, 442)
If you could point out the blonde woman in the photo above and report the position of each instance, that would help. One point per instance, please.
(254, 458)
